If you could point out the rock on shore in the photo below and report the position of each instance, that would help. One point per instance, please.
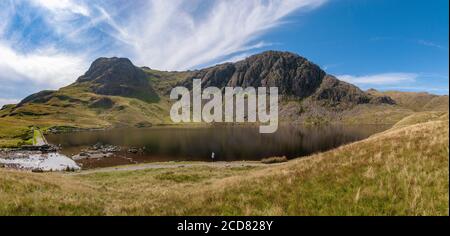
(37, 161)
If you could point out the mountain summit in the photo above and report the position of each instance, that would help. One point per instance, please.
(117, 77)
(292, 74)
(295, 77)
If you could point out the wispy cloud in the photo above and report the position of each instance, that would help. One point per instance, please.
(45, 66)
(37, 62)
(63, 8)
(431, 44)
(191, 39)
(420, 42)
(413, 82)
(437, 90)
(380, 79)
(51, 42)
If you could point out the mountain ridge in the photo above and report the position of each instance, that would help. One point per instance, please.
(294, 75)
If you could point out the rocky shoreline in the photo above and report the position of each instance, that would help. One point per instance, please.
(99, 151)
(49, 158)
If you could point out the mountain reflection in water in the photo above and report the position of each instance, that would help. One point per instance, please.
(229, 143)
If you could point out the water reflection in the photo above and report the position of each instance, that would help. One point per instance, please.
(229, 143)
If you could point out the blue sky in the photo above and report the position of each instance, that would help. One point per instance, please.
(382, 44)
(373, 37)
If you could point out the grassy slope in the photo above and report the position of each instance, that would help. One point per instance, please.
(375, 114)
(417, 101)
(12, 132)
(408, 103)
(422, 117)
(70, 107)
(403, 171)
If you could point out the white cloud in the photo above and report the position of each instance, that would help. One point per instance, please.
(380, 79)
(163, 41)
(4, 101)
(46, 66)
(170, 35)
(63, 8)
(439, 90)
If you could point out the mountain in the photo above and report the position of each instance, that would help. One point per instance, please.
(292, 74)
(295, 77)
(114, 92)
(117, 77)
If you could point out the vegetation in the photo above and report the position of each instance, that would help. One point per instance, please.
(403, 171)
(38, 137)
(14, 133)
(416, 101)
(64, 110)
(422, 117)
(370, 114)
(271, 160)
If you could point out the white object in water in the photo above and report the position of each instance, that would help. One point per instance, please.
(212, 155)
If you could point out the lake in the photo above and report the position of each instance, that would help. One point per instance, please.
(229, 143)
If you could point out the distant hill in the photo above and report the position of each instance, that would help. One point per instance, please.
(114, 93)
(416, 101)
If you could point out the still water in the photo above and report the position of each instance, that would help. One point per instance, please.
(229, 143)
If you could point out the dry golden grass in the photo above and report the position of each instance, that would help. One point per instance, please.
(422, 117)
(375, 114)
(403, 171)
(417, 101)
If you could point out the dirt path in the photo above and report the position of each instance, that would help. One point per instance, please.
(38, 138)
(171, 165)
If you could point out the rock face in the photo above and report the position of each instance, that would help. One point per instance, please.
(292, 74)
(338, 93)
(295, 77)
(118, 77)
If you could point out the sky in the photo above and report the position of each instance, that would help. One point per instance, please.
(383, 44)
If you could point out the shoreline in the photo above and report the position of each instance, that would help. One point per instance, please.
(99, 156)
(174, 165)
